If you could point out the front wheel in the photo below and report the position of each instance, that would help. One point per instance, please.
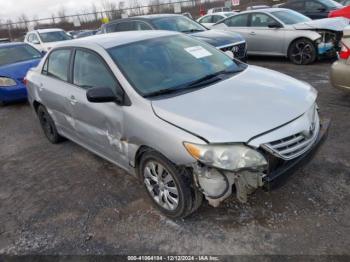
(169, 187)
(302, 52)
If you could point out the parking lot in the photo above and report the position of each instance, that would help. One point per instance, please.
(61, 199)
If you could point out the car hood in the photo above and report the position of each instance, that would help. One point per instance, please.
(218, 38)
(235, 110)
(335, 24)
(50, 45)
(18, 70)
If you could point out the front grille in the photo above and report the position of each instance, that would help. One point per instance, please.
(293, 146)
(238, 50)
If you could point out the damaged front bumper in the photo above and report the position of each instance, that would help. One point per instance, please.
(217, 185)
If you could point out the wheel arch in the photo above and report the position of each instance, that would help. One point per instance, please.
(298, 38)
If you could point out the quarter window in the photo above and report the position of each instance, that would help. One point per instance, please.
(90, 71)
(237, 21)
(57, 64)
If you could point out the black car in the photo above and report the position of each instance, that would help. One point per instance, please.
(222, 40)
(315, 9)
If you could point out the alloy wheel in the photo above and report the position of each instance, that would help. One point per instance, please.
(161, 185)
(302, 52)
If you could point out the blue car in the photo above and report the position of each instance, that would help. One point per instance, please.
(15, 61)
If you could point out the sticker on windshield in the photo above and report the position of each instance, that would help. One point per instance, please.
(198, 51)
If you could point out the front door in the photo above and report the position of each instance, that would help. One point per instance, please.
(100, 126)
(262, 38)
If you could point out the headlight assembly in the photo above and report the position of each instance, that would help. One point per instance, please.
(5, 82)
(228, 157)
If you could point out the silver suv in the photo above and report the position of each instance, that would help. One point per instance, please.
(177, 113)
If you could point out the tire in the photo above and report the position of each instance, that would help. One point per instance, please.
(169, 187)
(48, 126)
(302, 52)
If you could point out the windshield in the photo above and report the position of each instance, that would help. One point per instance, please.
(178, 23)
(170, 63)
(19, 53)
(290, 17)
(54, 36)
(331, 3)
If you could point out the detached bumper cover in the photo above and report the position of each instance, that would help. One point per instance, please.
(273, 178)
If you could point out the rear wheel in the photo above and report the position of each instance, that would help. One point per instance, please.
(302, 52)
(48, 126)
(169, 187)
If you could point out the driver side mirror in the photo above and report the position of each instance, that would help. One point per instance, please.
(274, 25)
(103, 95)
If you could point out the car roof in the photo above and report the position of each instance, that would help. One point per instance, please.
(144, 17)
(266, 10)
(47, 30)
(11, 44)
(117, 39)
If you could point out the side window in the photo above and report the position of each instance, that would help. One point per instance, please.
(90, 71)
(297, 5)
(141, 26)
(30, 38)
(206, 19)
(261, 20)
(35, 38)
(58, 64)
(125, 26)
(122, 26)
(238, 20)
(313, 6)
(216, 18)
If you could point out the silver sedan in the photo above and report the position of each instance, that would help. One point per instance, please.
(283, 32)
(177, 113)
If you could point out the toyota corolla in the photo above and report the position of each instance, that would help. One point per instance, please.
(177, 113)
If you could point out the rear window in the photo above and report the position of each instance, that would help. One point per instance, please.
(18, 53)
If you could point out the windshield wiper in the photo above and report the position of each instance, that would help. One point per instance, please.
(192, 31)
(208, 79)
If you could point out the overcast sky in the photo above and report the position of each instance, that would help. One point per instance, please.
(12, 9)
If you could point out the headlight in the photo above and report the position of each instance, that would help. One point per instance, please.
(228, 157)
(5, 81)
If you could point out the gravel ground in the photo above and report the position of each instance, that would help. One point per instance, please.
(61, 199)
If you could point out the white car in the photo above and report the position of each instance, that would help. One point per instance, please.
(45, 39)
(211, 19)
(218, 10)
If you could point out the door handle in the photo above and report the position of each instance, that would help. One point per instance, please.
(252, 33)
(73, 100)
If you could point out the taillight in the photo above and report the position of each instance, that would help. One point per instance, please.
(25, 81)
(344, 52)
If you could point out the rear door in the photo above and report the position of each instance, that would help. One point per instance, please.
(238, 24)
(54, 89)
(99, 125)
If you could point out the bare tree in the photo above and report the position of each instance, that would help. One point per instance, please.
(62, 14)
(23, 20)
(94, 11)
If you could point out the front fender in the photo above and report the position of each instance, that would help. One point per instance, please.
(296, 34)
